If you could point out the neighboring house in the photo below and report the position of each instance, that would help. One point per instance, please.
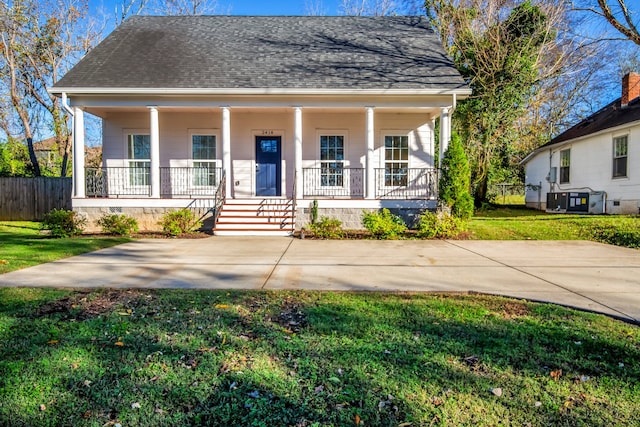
(264, 113)
(48, 153)
(595, 165)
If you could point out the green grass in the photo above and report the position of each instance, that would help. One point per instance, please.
(522, 224)
(23, 245)
(150, 358)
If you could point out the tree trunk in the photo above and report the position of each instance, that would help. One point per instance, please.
(32, 157)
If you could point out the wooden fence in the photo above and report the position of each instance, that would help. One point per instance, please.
(28, 199)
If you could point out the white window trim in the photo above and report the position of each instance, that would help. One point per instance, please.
(344, 133)
(560, 182)
(613, 153)
(213, 132)
(395, 132)
(127, 161)
(217, 161)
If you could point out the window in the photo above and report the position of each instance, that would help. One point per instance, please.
(331, 160)
(138, 152)
(565, 165)
(620, 146)
(203, 153)
(396, 160)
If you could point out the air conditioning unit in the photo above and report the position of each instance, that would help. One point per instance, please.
(576, 202)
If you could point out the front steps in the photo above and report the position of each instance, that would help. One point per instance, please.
(255, 217)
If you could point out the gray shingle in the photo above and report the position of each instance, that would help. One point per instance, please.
(246, 52)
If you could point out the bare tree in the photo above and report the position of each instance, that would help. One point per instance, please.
(369, 7)
(185, 7)
(616, 13)
(40, 40)
(127, 8)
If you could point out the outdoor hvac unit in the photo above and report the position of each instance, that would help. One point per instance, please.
(568, 202)
(592, 203)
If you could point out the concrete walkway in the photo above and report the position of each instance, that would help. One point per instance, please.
(580, 274)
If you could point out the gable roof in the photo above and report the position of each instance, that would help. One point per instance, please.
(608, 117)
(258, 52)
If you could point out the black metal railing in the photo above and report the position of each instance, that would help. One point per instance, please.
(220, 197)
(118, 181)
(333, 182)
(136, 181)
(406, 183)
(189, 181)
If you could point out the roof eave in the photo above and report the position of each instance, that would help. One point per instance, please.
(461, 92)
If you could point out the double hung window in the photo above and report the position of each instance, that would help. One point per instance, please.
(565, 166)
(138, 153)
(331, 160)
(620, 147)
(203, 153)
(396, 160)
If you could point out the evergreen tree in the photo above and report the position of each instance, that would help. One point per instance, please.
(455, 180)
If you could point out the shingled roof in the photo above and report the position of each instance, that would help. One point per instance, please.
(250, 52)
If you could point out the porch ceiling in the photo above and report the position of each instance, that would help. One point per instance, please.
(103, 112)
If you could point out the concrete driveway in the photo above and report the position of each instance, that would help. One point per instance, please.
(581, 274)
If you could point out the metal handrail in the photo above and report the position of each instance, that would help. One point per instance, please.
(220, 197)
(293, 201)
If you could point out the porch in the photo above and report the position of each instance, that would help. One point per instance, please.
(317, 183)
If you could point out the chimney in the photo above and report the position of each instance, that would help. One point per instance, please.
(630, 88)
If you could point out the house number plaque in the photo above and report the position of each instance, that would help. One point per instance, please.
(268, 132)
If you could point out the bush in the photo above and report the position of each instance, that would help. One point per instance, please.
(463, 206)
(120, 225)
(616, 235)
(327, 228)
(440, 226)
(178, 222)
(455, 180)
(384, 224)
(63, 223)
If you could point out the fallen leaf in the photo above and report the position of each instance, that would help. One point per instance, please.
(122, 313)
(135, 405)
(43, 407)
(357, 419)
(405, 424)
(74, 366)
(556, 374)
(119, 344)
(318, 389)
(159, 411)
(86, 415)
(87, 383)
(496, 391)
(436, 401)
(52, 342)
(4, 261)
(221, 306)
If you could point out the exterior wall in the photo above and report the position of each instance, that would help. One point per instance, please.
(350, 212)
(175, 147)
(591, 170)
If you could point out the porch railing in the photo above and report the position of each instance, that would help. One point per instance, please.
(406, 183)
(333, 182)
(135, 181)
(117, 181)
(189, 182)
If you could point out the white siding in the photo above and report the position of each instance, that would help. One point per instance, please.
(175, 146)
(591, 170)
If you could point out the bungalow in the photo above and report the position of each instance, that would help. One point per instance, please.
(254, 118)
(592, 167)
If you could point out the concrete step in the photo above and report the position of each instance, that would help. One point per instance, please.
(250, 232)
(255, 217)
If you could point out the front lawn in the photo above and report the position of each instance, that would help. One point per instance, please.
(525, 224)
(23, 245)
(175, 358)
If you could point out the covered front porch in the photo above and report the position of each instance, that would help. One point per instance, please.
(166, 153)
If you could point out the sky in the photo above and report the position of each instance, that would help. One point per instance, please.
(251, 7)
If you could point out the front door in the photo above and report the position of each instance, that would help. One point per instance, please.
(268, 161)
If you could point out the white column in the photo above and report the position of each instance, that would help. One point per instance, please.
(297, 149)
(226, 147)
(78, 153)
(371, 183)
(445, 131)
(154, 152)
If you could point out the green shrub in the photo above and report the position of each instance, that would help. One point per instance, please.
(119, 225)
(616, 235)
(178, 222)
(455, 180)
(440, 226)
(384, 224)
(327, 228)
(63, 223)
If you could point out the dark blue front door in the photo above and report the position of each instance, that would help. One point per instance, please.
(268, 162)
